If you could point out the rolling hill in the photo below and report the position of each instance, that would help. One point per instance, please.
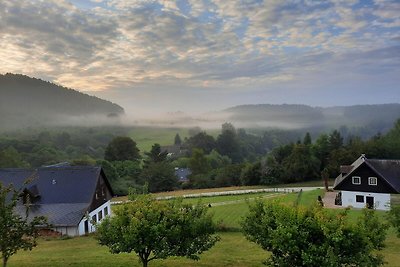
(26, 101)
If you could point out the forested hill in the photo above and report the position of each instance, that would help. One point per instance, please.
(380, 117)
(26, 101)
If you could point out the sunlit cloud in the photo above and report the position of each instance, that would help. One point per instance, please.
(200, 47)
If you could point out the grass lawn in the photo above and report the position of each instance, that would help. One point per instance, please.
(232, 250)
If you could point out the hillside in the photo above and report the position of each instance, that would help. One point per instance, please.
(26, 101)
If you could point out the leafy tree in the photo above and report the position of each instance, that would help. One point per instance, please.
(314, 237)
(160, 176)
(307, 139)
(228, 143)
(321, 150)
(301, 164)
(229, 175)
(335, 140)
(216, 160)
(198, 163)
(255, 174)
(158, 229)
(121, 148)
(177, 140)
(16, 231)
(394, 218)
(10, 158)
(201, 140)
(155, 154)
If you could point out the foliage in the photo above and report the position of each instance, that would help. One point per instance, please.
(160, 176)
(177, 139)
(155, 154)
(16, 231)
(394, 218)
(158, 229)
(202, 141)
(228, 143)
(314, 237)
(10, 158)
(198, 163)
(121, 148)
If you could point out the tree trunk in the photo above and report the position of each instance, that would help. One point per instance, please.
(144, 260)
(5, 261)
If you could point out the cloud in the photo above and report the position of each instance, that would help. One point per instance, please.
(213, 45)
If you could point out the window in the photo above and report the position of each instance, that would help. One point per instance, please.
(100, 214)
(356, 180)
(372, 181)
(94, 218)
(105, 211)
(359, 199)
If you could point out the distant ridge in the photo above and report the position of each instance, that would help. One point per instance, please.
(29, 101)
(379, 116)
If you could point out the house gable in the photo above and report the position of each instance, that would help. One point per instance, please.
(364, 172)
(102, 192)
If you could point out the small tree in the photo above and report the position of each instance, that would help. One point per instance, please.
(16, 231)
(314, 237)
(158, 229)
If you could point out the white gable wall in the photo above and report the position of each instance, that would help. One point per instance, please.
(96, 212)
(381, 200)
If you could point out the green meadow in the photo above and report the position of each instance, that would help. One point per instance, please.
(145, 137)
(232, 250)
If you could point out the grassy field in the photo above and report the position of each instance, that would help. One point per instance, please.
(178, 193)
(232, 250)
(145, 137)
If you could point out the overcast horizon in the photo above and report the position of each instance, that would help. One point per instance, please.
(196, 56)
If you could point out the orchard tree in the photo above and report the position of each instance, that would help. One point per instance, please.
(315, 237)
(16, 231)
(121, 148)
(155, 229)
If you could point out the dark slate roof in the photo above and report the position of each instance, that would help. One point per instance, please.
(57, 214)
(56, 185)
(64, 193)
(182, 173)
(388, 169)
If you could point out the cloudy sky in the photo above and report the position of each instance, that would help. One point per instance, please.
(197, 55)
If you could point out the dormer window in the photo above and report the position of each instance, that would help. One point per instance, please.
(356, 180)
(372, 181)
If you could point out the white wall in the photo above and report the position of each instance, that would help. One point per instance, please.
(381, 201)
(92, 228)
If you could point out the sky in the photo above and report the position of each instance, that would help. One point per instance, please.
(156, 56)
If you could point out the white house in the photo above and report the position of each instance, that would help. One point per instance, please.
(72, 198)
(368, 183)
